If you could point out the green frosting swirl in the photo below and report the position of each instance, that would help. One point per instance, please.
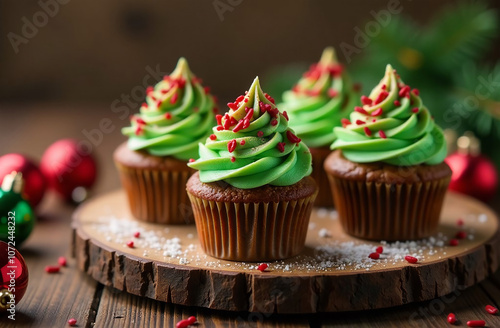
(253, 146)
(177, 115)
(393, 126)
(321, 98)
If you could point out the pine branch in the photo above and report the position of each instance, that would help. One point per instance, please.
(460, 33)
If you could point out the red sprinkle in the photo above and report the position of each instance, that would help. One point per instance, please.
(137, 234)
(491, 309)
(260, 134)
(361, 110)
(415, 92)
(192, 160)
(461, 235)
(411, 259)
(130, 244)
(359, 122)
(62, 261)
(377, 112)
(233, 106)
(51, 269)
(191, 320)
(366, 101)
(368, 132)
(274, 122)
(384, 87)
(242, 142)
(206, 89)
(144, 105)
(379, 249)
(140, 120)
(476, 323)
(238, 126)
(292, 137)
(397, 103)
(240, 98)
(460, 222)
(168, 116)
(213, 137)
(262, 267)
(345, 122)
(174, 98)
(72, 322)
(215, 110)
(452, 318)
(182, 324)
(382, 134)
(374, 256)
(454, 242)
(138, 131)
(231, 146)
(218, 117)
(404, 90)
(415, 109)
(285, 114)
(381, 97)
(332, 92)
(268, 97)
(246, 123)
(220, 128)
(281, 146)
(233, 159)
(149, 89)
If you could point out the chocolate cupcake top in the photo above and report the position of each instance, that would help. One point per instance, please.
(177, 115)
(252, 145)
(319, 100)
(393, 126)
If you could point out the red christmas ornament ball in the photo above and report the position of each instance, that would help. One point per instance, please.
(35, 184)
(473, 175)
(68, 164)
(13, 277)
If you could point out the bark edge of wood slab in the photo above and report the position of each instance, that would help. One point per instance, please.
(290, 292)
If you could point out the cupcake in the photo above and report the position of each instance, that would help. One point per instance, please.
(162, 138)
(317, 104)
(253, 196)
(387, 172)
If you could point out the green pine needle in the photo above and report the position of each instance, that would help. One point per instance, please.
(460, 33)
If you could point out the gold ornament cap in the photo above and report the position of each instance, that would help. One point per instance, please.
(468, 144)
(13, 182)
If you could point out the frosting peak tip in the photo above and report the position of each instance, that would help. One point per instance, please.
(328, 56)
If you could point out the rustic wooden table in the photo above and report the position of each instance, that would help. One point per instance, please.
(52, 299)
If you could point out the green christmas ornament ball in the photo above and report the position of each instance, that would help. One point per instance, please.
(17, 218)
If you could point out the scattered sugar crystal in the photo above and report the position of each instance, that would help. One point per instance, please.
(482, 218)
(311, 225)
(324, 233)
(190, 235)
(183, 260)
(322, 212)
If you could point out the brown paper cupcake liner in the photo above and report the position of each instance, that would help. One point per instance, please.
(252, 231)
(325, 198)
(157, 196)
(383, 211)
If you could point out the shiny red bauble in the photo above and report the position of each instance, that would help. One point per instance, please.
(13, 277)
(473, 175)
(67, 164)
(35, 184)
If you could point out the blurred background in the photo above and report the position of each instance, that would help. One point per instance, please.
(67, 64)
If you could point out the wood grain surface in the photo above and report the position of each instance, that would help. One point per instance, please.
(52, 299)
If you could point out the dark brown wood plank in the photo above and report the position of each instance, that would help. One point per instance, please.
(119, 309)
(467, 304)
(51, 299)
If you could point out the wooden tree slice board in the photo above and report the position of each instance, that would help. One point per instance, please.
(333, 274)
